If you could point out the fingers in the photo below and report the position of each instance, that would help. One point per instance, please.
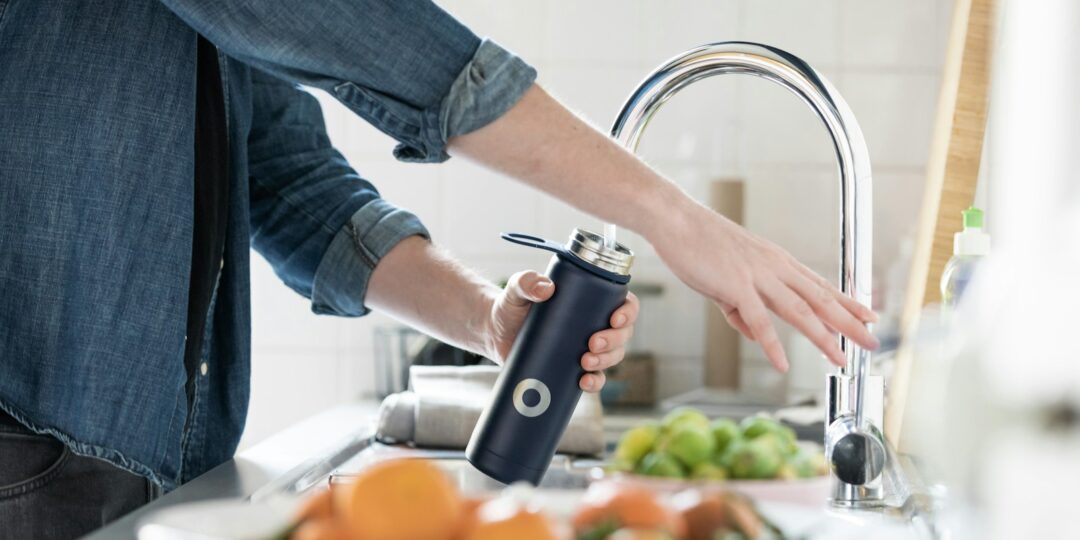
(736, 321)
(800, 314)
(592, 382)
(527, 287)
(627, 313)
(833, 314)
(607, 347)
(756, 317)
(827, 289)
(604, 360)
(610, 339)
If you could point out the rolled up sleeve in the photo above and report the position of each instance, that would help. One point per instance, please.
(321, 225)
(342, 276)
(489, 85)
(406, 66)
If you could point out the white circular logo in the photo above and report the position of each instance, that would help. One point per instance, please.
(519, 398)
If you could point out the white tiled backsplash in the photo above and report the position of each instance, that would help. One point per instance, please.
(884, 56)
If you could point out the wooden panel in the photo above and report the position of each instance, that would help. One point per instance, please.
(951, 177)
(722, 341)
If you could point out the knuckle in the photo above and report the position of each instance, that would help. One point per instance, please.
(825, 293)
(760, 326)
(800, 308)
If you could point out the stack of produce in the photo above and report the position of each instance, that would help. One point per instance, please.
(687, 444)
(624, 512)
(412, 499)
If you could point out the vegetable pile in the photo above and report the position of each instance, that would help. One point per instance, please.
(687, 444)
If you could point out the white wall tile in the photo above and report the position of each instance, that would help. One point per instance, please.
(776, 127)
(281, 319)
(287, 388)
(806, 29)
(479, 204)
(680, 26)
(520, 27)
(698, 125)
(944, 16)
(897, 201)
(598, 32)
(896, 113)
(596, 92)
(886, 32)
(417, 187)
(796, 209)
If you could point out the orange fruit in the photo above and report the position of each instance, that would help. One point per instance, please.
(321, 529)
(469, 508)
(706, 514)
(505, 519)
(627, 506)
(402, 499)
(317, 506)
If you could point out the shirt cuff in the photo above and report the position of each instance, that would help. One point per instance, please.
(342, 276)
(488, 86)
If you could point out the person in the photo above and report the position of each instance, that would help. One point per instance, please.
(148, 145)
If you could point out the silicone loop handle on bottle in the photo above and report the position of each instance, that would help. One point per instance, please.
(566, 254)
(533, 241)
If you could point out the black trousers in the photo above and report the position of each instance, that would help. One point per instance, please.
(48, 492)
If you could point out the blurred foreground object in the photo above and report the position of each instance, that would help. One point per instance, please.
(1001, 418)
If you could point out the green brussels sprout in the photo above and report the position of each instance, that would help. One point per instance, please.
(661, 464)
(636, 442)
(724, 431)
(707, 470)
(787, 471)
(808, 463)
(758, 425)
(689, 443)
(759, 458)
(684, 415)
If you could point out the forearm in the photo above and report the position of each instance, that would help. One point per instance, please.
(420, 285)
(543, 144)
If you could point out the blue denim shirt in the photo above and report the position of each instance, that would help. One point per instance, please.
(96, 183)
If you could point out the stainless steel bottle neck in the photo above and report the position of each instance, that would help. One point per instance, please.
(590, 247)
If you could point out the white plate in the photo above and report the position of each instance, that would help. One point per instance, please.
(235, 519)
(242, 520)
(811, 492)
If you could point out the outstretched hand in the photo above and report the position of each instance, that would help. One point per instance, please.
(748, 276)
(606, 347)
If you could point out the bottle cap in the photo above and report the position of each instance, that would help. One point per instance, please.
(972, 241)
(591, 248)
(973, 218)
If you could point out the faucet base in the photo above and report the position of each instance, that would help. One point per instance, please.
(852, 496)
(857, 453)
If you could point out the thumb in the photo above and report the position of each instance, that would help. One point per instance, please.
(527, 287)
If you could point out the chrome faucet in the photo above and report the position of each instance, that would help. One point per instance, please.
(853, 442)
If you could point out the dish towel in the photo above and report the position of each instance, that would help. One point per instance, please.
(444, 403)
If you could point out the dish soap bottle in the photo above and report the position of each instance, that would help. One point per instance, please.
(969, 246)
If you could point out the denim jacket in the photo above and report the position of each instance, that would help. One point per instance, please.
(97, 102)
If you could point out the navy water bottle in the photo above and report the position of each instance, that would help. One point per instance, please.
(537, 391)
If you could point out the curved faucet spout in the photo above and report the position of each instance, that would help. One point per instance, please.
(806, 83)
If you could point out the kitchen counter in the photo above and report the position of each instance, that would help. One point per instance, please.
(337, 443)
(264, 465)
